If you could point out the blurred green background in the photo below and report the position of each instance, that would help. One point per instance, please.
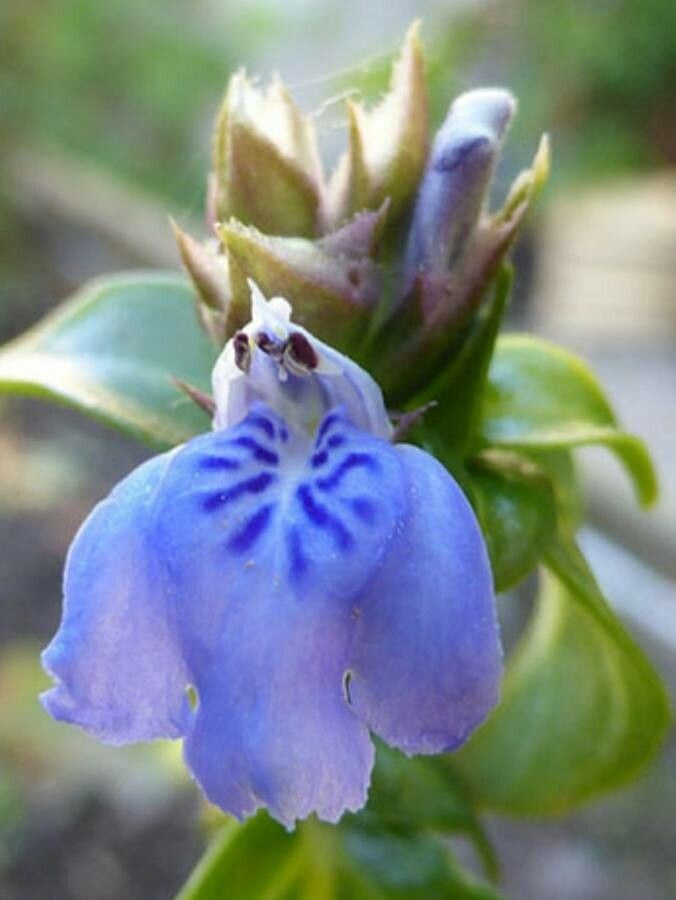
(106, 114)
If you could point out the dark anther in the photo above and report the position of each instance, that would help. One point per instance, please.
(242, 351)
(270, 344)
(301, 351)
(295, 354)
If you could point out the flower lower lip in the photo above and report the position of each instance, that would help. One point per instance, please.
(235, 565)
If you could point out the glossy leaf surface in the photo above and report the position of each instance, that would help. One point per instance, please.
(516, 505)
(352, 862)
(582, 711)
(540, 396)
(111, 352)
(425, 793)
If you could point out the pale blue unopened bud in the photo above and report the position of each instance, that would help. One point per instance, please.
(454, 187)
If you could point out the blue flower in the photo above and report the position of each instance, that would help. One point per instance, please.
(308, 579)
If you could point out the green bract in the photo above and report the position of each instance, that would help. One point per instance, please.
(582, 709)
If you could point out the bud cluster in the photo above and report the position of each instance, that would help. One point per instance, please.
(327, 243)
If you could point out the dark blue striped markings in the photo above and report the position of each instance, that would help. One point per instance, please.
(320, 516)
(336, 495)
(245, 537)
(257, 484)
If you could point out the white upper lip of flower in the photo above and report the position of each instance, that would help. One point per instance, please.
(273, 315)
(301, 398)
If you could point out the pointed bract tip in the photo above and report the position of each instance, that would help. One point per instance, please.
(265, 158)
(201, 398)
(387, 144)
(411, 53)
(359, 236)
(332, 291)
(527, 185)
(208, 272)
(542, 161)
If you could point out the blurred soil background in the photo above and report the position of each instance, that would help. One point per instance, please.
(106, 112)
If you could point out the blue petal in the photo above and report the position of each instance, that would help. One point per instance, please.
(118, 670)
(426, 659)
(273, 727)
(268, 540)
(261, 570)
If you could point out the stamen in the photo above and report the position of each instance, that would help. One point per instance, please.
(300, 356)
(242, 348)
(270, 345)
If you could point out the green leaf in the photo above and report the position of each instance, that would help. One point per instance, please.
(111, 351)
(353, 861)
(516, 506)
(258, 859)
(410, 866)
(583, 710)
(423, 794)
(559, 466)
(539, 396)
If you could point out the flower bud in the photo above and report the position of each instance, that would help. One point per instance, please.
(456, 181)
(266, 164)
(455, 246)
(387, 145)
